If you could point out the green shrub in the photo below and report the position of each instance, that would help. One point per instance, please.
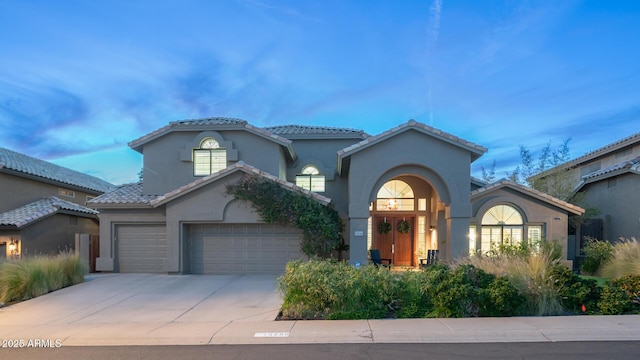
(320, 289)
(623, 261)
(412, 300)
(530, 273)
(504, 299)
(597, 253)
(467, 291)
(575, 291)
(621, 296)
(31, 277)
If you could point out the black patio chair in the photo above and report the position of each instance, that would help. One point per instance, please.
(377, 260)
(432, 258)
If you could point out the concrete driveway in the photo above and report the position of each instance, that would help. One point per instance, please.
(128, 308)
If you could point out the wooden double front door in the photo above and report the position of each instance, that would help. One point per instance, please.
(395, 245)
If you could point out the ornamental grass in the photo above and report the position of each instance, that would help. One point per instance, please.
(31, 277)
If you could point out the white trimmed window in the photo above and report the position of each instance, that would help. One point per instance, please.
(395, 195)
(502, 224)
(209, 158)
(310, 179)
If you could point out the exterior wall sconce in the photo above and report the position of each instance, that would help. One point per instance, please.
(13, 248)
(432, 228)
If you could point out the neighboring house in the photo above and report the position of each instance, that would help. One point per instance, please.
(180, 219)
(43, 206)
(608, 180)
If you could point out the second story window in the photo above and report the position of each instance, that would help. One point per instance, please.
(209, 158)
(311, 179)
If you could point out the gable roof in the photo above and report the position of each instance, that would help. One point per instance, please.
(475, 150)
(130, 195)
(213, 123)
(24, 165)
(41, 209)
(307, 132)
(500, 184)
(237, 167)
(625, 167)
(603, 151)
(127, 194)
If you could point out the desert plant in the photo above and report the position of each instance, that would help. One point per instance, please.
(597, 252)
(621, 296)
(528, 271)
(31, 277)
(623, 261)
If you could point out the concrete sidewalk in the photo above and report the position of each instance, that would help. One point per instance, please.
(134, 309)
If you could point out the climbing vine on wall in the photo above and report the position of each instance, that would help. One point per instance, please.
(321, 225)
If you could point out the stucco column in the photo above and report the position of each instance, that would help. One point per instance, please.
(358, 218)
(457, 218)
(358, 241)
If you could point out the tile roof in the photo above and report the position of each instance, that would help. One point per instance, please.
(609, 148)
(305, 130)
(123, 194)
(40, 209)
(31, 166)
(131, 194)
(239, 166)
(411, 124)
(624, 167)
(629, 165)
(531, 192)
(219, 123)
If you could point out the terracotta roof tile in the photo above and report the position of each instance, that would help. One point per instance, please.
(31, 166)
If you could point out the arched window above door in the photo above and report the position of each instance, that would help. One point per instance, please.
(395, 195)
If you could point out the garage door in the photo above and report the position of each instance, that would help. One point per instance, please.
(142, 248)
(242, 248)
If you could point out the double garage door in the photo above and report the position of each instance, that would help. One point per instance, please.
(241, 248)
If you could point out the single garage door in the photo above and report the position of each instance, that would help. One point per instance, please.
(242, 248)
(142, 248)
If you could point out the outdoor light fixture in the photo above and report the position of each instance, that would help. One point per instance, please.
(13, 247)
(431, 228)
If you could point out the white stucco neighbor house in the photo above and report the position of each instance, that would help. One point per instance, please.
(179, 218)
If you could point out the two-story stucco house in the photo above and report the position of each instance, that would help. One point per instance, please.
(43, 205)
(606, 179)
(179, 219)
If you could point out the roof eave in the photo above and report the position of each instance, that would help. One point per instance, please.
(50, 181)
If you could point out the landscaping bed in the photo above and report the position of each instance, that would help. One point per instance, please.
(528, 283)
(30, 277)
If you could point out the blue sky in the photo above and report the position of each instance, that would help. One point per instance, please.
(80, 79)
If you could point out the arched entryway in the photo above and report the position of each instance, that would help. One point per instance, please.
(403, 222)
